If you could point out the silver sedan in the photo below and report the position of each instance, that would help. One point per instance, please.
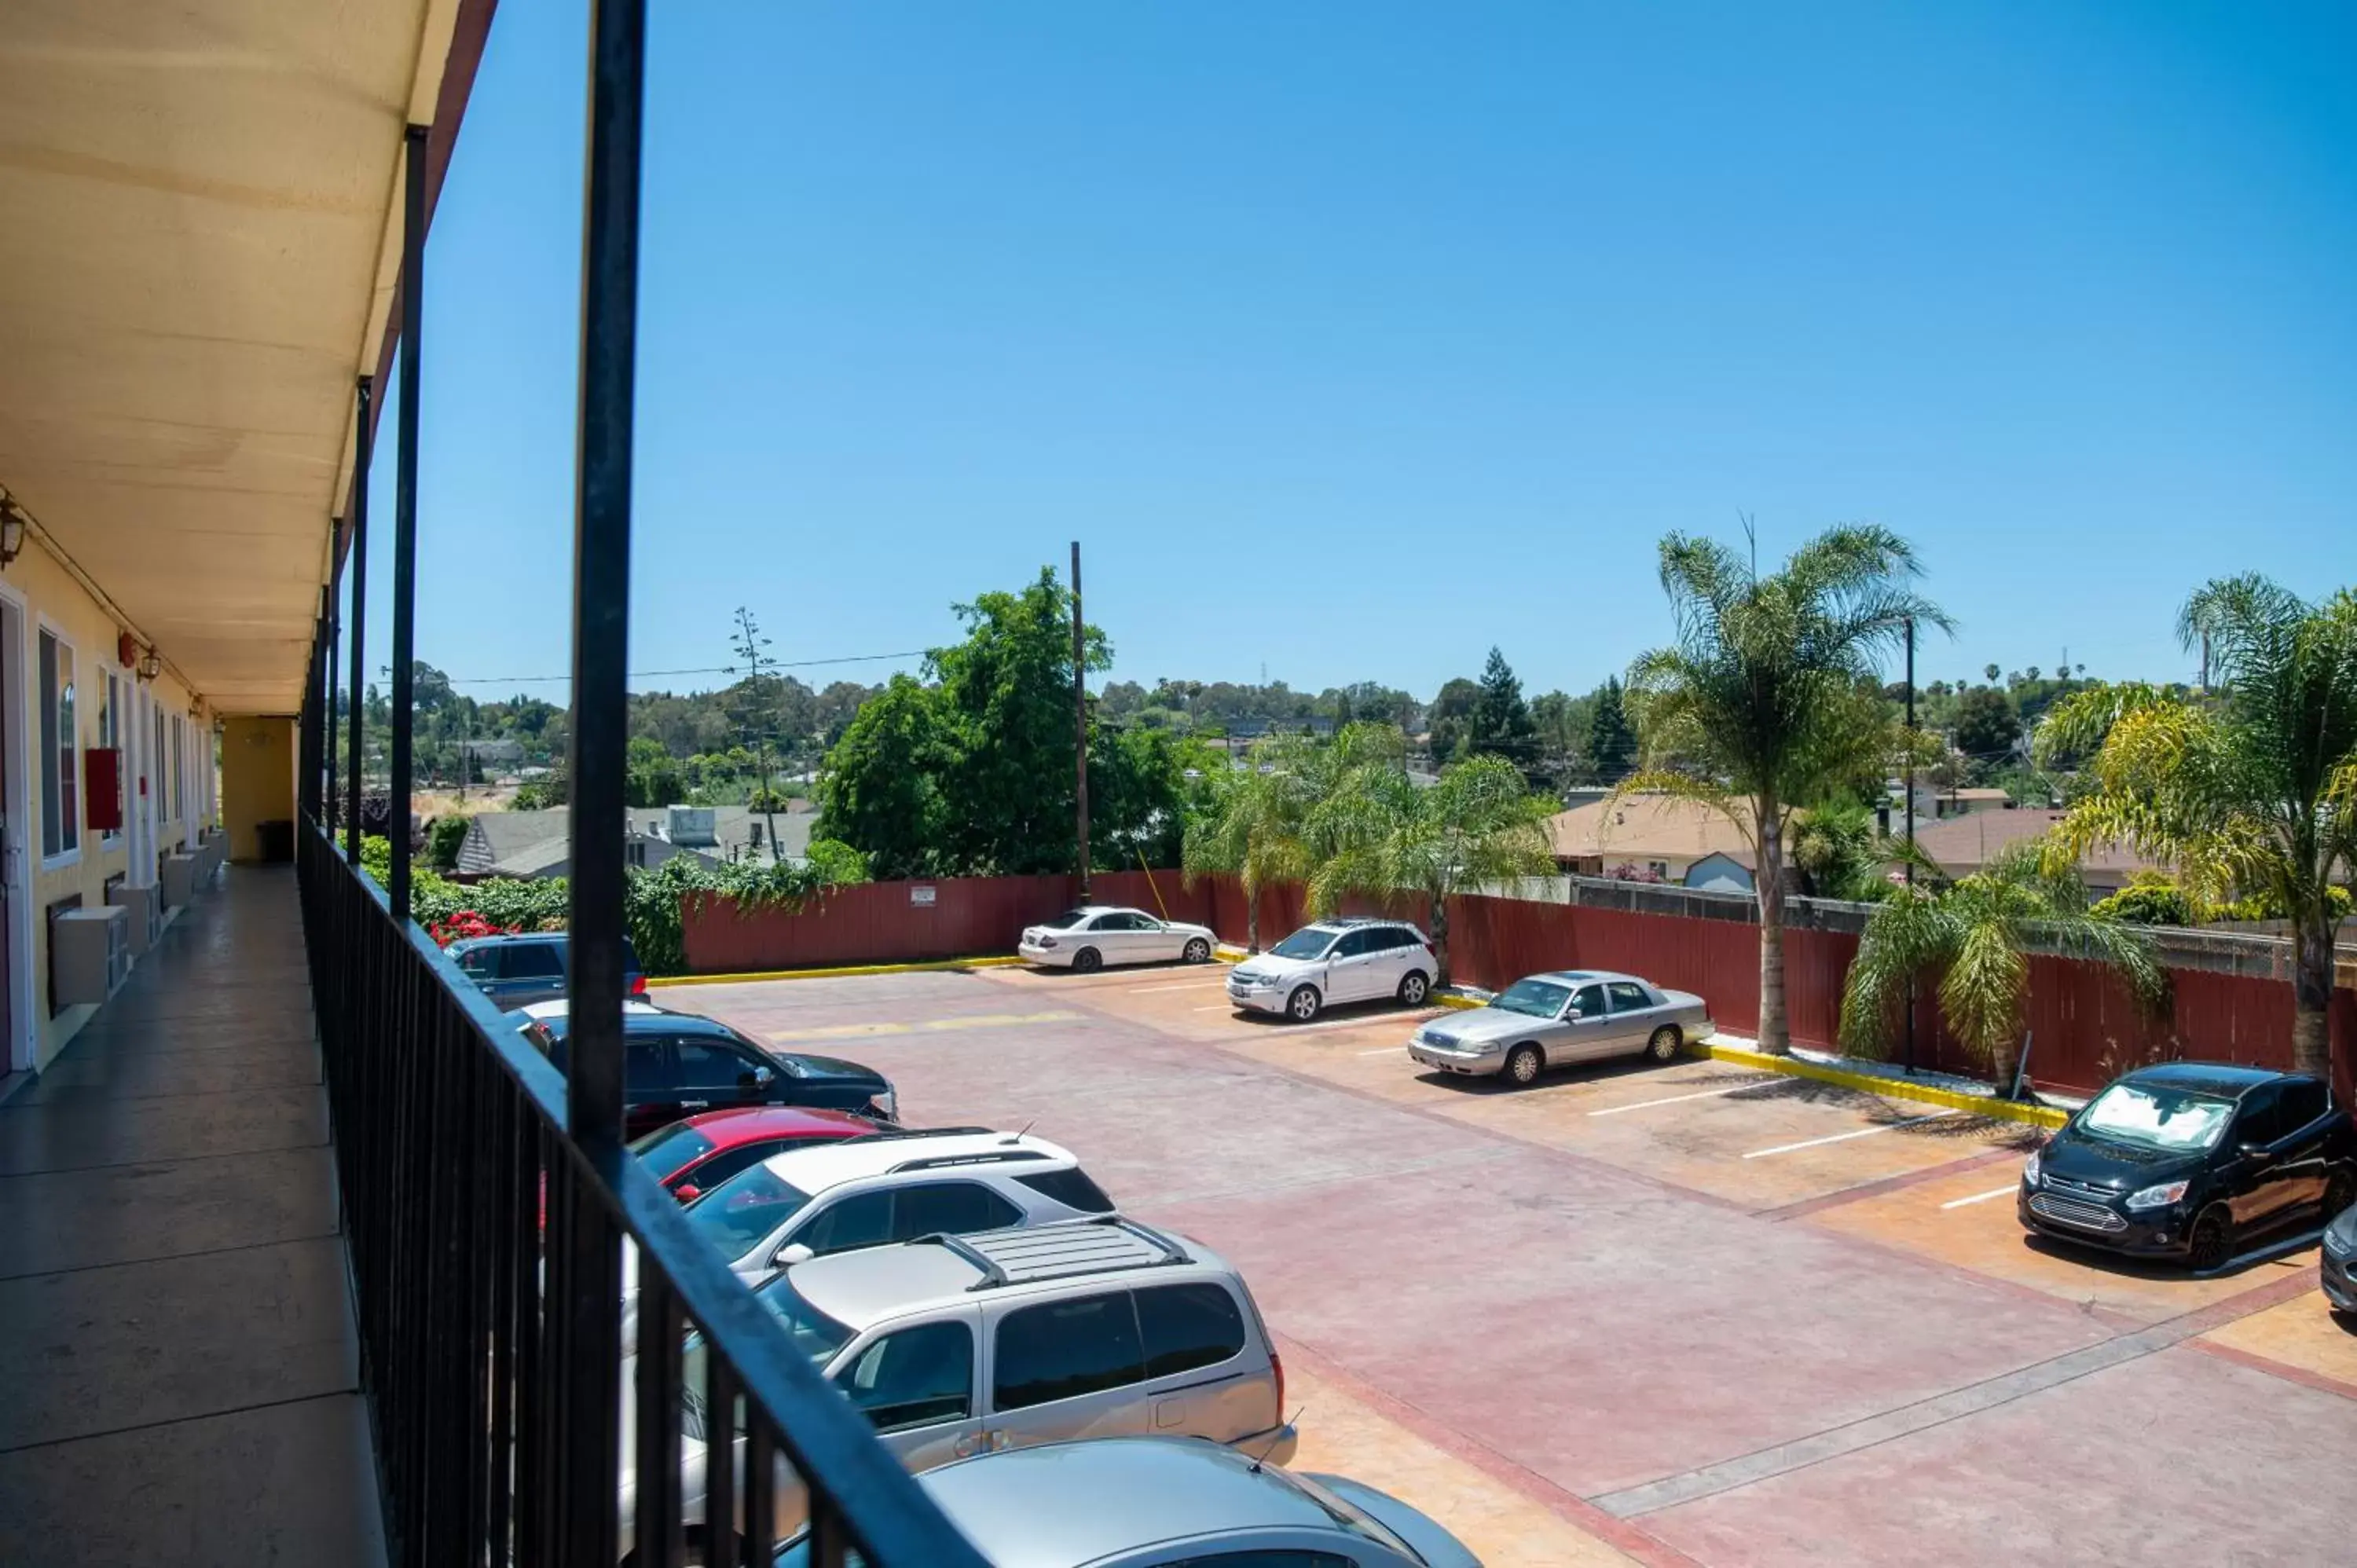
(1569, 1015)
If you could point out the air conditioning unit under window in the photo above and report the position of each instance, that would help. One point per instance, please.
(90, 953)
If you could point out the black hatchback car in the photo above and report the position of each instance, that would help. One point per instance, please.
(677, 1064)
(2189, 1159)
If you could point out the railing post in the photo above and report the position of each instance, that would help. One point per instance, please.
(601, 606)
(405, 515)
(358, 549)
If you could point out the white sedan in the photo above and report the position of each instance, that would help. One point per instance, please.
(1095, 935)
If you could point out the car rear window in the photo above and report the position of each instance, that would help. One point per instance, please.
(1072, 1188)
(1065, 921)
(670, 1150)
(1062, 1350)
(1188, 1325)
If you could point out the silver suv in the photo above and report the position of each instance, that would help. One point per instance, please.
(956, 1345)
(1336, 961)
(1144, 1502)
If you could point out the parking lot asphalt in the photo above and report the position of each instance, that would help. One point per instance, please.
(1685, 1313)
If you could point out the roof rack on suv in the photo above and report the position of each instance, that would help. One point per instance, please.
(1101, 1244)
(881, 1133)
(988, 1157)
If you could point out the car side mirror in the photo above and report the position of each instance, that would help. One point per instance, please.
(687, 1192)
(792, 1252)
(2257, 1152)
(759, 1078)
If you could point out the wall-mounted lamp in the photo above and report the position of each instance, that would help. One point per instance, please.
(151, 664)
(12, 529)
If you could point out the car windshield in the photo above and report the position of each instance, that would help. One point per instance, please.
(2170, 1120)
(1538, 998)
(811, 1331)
(736, 1214)
(670, 1150)
(1310, 943)
(1065, 921)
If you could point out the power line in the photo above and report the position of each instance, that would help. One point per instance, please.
(700, 669)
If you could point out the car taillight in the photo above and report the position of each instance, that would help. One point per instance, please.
(1047, 941)
(637, 985)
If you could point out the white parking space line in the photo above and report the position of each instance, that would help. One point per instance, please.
(1180, 986)
(1979, 1196)
(1217, 1007)
(1676, 1099)
(1386, 1051)
(1845, 1137)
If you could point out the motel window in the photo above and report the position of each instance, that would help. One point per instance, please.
(61, 798)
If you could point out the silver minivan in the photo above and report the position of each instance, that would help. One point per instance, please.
(956, 1345)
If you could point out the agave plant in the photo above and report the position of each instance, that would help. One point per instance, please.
(1973, 938)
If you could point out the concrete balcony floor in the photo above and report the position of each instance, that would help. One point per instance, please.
(177, 1344)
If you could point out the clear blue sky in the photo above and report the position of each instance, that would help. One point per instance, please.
(1352, 339)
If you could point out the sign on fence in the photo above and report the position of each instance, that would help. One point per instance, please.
(923, 895)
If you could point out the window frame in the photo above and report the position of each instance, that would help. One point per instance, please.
(904, 1228)
(55, 732)
(999, 1404)
(1604, 999)
(852, 1358)
(1612, 996)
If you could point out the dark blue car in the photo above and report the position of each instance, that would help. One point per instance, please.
(527, 967)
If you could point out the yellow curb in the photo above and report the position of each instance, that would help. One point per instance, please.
(1892, 1087)
(835, 973)
(1442, 999)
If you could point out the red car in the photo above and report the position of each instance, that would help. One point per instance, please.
(692, 1156)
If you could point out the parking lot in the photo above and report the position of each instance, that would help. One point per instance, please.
(1686, 1313)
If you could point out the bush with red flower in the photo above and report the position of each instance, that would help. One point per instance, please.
(465, 923)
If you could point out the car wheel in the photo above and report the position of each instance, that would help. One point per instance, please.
(2212, 1242)
(2339, 1192)
(1524, 1063)
(1088, 961)
(1413, 988)
(1198, 952)
(1664, 1045)
(1303, 1004)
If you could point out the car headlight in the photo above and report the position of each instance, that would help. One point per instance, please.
(2034, 1169)
(1487, 1047)
(2336, 1246)
(2159, 1197)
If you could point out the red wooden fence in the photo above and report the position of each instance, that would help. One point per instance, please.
(2084, 1027)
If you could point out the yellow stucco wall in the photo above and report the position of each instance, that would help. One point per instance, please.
(51, 599)
(257, 779)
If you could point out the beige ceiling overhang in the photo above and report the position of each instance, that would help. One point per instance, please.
(200, 240)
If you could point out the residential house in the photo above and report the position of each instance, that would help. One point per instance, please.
(528, 844)
(1660, 836)
(1962, 844)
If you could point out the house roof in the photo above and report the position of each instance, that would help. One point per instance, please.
(1977, 794)
(1667, 826)
(1963, 844)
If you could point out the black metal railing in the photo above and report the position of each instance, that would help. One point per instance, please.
(485, 1244)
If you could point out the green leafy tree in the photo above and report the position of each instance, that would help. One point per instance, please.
(1450, 717)
(651, 776)
(1986, 725)
(443, 837)
(881, 791)
(1501, 723)
(1973, 938)
(1140, 794)
(1007, 693)
(1611, 742)
(2255, 794)
(1375, 832)
(1840, 855)
(1769, 698)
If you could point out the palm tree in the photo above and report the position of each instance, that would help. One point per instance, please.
(1975, 935)
(1377, 832)
(2253, 793)
(1254, 827)
(1768, 700)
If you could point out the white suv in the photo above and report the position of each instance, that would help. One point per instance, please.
(1336, 961)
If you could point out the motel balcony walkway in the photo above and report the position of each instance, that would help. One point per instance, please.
(177, 1339)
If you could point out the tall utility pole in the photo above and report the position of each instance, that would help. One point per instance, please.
(748, 647)
(1080, 725)
(1910, 821)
